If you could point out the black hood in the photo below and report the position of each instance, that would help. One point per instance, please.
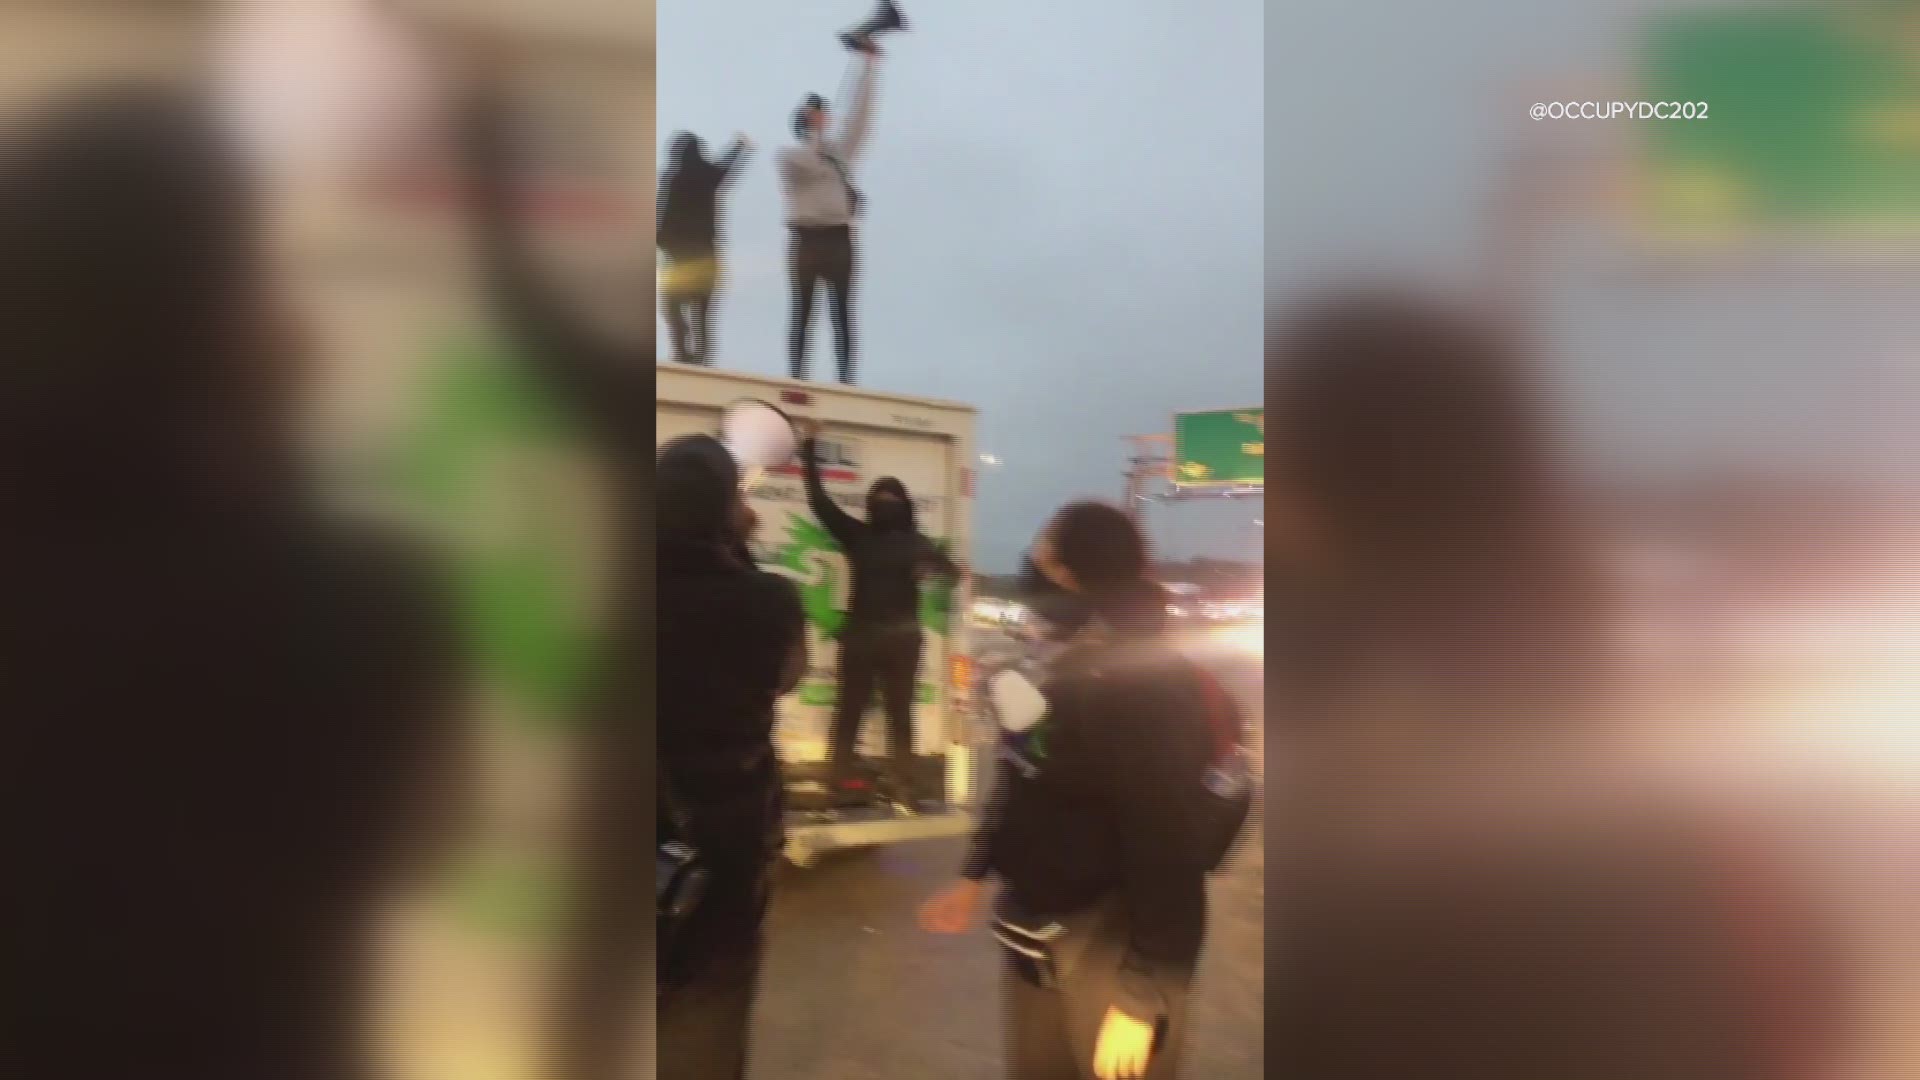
(697, 483)
(688, 151)
(891, 516)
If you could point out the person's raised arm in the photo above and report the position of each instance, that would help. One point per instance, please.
(858, 126)
(938, 563)
(735, 156)
(595, 372)
(845, 529)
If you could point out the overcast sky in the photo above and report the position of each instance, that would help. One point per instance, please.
(1064, 230)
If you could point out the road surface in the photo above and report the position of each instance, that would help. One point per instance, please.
(854, 991)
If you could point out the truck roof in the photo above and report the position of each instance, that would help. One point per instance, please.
(682, 371)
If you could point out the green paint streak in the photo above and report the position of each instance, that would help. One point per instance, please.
(936, 600)
(485, 448)
(807, 544)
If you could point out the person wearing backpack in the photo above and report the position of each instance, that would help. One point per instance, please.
(1107, 818)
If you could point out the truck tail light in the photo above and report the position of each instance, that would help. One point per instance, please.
(962, 674)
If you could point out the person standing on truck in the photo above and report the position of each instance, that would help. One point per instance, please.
(738, 645)
(880, 643)
(821, 203)
(1104, 822)
(688, 235)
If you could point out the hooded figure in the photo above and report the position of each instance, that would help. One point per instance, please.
(734, 642)
(688, 235)
(880, 644)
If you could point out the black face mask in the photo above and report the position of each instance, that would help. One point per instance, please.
(890, 515)
(1065, 611)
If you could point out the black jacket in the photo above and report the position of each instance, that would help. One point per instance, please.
(734, 632)
(1097, 802)
(689, 203)
(887, 564)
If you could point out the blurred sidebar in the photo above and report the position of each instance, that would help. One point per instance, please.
(1698, 221)
(433, 418)
(487, 459)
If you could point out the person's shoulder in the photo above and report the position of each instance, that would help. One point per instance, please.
(773, 592)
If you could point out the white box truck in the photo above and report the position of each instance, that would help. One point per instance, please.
(929, 446)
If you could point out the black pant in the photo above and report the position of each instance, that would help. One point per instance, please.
(686, 302)
(889, 658)
(822, 255)
(704, 1015)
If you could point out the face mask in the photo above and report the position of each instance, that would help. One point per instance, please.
(889, 514)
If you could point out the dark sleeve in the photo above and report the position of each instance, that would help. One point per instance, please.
(936, 562)
(730, 162)
(845, 528)
(1145, 779)
(783, 627)
(660, 207)
(595, 373)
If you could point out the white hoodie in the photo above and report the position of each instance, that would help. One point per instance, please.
(819, 194)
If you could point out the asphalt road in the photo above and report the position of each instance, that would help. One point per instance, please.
(853, 990)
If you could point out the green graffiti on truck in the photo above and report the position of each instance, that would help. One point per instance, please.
(805, 556)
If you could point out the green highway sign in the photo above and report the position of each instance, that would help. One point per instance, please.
(1220, 448)
(1812, 117)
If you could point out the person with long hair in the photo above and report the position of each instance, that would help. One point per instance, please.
(738, 645)
(1098, 829)
(1479, 877)
(226, 708)
(688, 234)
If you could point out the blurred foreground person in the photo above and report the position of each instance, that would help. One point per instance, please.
(881, 642)
(605, 384)
(1479, 882)
(738, 643)
(225, 710)
(689, 240)
(1102, 829)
